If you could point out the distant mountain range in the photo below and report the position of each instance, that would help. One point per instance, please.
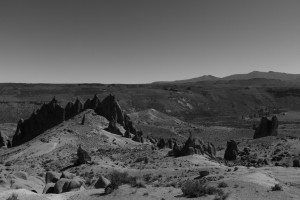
(252, 75)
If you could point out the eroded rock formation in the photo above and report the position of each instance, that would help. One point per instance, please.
(48, 116)
(111, 110)
(52, 114)
(3, 140)
(161, 144)
(113, 128)
(83, 156)
(138, 137)
(231, 151)
(266, 127)
(194, 146)
(73, 109)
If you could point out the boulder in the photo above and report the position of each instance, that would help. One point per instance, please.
(266, 128)
(4, 184)
(296, 163)
(247, 151)
(49, 188)
(152, 140)
(176, 151)
(21, 175)
(128, 125)
(113, 128)
(102, 182)
(20, 180)
(231, 151)
(83, 156)
(8, 143)
(68, 175)
(52, 177)
(127, 134)
(60, 187)
(74, 185)
(161, 144)
(203, 173)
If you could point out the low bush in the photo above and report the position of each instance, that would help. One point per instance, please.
(222, 197)
(119, 178)
(223, 185)
(277, 187)
(13, 196)
(198, 188)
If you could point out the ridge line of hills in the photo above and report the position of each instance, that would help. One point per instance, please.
(252, 75)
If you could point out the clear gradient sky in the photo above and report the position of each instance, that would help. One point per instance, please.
(70, 41)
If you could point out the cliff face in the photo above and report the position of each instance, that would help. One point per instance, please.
(52, 114)
(266, 128)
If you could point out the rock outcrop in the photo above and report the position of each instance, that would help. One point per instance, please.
(138, 137)
(49, 188)
(21, 180)
(52, 177)
(266, 128)
(231, 151)
(61, 182)
(67, 185)
(3, 140)
(113, 128)
(102, 182)
(52, 114)
(48, 116)
(128, 125)
(193, 146)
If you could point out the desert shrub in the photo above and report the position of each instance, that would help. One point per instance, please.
(148, 178)
(138, 182)
(7, 164)
(222, 197)
(13, 196)
(223, 185)
(198, 188)
(210, 190)
(276, 187)
(119, 178)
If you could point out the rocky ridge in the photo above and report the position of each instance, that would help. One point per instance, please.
(52, 114)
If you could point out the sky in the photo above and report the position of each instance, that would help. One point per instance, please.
(125, 41)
